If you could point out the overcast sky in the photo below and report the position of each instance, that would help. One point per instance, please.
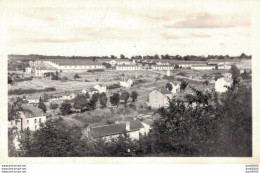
(144, 27)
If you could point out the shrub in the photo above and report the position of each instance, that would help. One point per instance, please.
(113, 86)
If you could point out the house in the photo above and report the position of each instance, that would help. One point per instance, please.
(128, 67)
(28, 70)
(222, 83)
(203, 67)
(92, 91)
(224, 67)
(175, 87)
(119, 62)
(63, 96)
(162, 67)
(126, 84)
(34, 98)
(30, 118)
(101, 88)
(39, 71)
(133, 128)
(159, 98)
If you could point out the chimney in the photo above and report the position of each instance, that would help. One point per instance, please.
(127, 126)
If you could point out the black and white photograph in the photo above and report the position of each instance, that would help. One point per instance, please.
(125, 78)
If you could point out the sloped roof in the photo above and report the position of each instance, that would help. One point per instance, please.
(128, 65)
(114, 129)
(75, 62)
(31, 111)
(164, 91)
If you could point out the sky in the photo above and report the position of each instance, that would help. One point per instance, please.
(114, 27)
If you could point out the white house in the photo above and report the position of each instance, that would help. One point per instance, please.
(101, 88)
(30, 118)
(133, 128)
(159, 98)
(162, 67)
(119, 62)
(39, 71)
(175, 87)
(224, 67)
(222, 83)
(203, 67)
(126, 84)
(28, 70)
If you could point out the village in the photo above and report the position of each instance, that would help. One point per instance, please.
(109, 97)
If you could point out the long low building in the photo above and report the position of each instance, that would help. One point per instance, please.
(203, 67)
(74, 64)
(128, 67)
(162, 67)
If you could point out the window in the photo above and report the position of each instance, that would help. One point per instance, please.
(35, 127)
(35, 120)
(11, 123)
(40, 120)
(27, 121)
(16, 122)
(28, 128)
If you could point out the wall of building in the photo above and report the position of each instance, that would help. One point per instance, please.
(156, 99)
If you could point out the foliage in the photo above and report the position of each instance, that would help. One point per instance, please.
(235, 72)
(14, 108)
(103, 99)
(42, 106)
(54, 139)
(113, 86)
(65, 108)
(114, 99)
(54, 106)
(134, 96)
(95, 97)
(206, 82)
(125, 96)
(169, 86)
(76, 76)
(80, 102)
(29, 91)
(183, 85)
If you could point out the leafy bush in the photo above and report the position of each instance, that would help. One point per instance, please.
(96, 70)
(113, 86)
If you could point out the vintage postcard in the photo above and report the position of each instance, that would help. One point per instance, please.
(147, 81)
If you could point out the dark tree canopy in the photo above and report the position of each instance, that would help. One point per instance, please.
(125, 96)
(169, 86)
(114, 99)
(235, 72)
(42, 106)
(134, 96)
(65, 108)
(80, 102)
(103, 100)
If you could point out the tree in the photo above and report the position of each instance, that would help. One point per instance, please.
(87, 95)
(42, 106)
(206, 82)
(183, 85)
(114, 99)
(76, 76)
(134, 96)
(80, 102)
(125, 96)
(169, 86)
(95, 97)
(65, 108)
(67, 140)
(235, 72)
(122, 56)
(103, 99)
(14, 108)
(10, 80)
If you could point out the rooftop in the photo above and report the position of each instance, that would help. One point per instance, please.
(31, 111)
(114, 129)
(75, 62)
